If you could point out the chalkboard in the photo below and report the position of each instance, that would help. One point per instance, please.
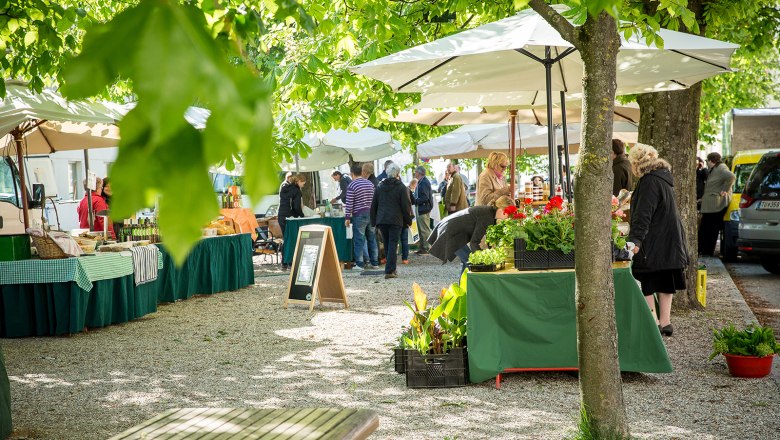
(316, 271)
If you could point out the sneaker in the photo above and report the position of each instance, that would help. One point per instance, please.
(405, 261)
(356, 267)
(374, 267)
(421, 252)
(391, 275)
(383, 261)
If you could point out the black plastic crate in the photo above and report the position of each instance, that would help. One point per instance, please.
(437, 370)
(399, 357)
(482, 267)
(541, 259)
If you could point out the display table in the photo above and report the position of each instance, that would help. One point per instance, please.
(343, 246)
(244, 218)
(55, 297)
(5, 400)
(215, 264)
(527, 320)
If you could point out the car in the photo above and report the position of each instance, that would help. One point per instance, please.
(742, 165)
(759, 208)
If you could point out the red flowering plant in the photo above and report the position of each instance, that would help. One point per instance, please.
(550, 229)
(617, 216)
(504, 232)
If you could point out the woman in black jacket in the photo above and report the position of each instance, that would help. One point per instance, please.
(459, 234)
(391, 211)
(290, 200)
(660, 255)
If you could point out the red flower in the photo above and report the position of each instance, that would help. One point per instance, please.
(510, 210)
(518, 215)
(528, 201)
(537, 216)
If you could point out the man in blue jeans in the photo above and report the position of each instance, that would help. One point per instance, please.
(357, 209)
(391, 211)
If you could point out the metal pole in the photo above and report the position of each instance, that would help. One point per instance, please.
(550, 126)
(91, 215)
(512, 151)
(20, 164)
(567, 189)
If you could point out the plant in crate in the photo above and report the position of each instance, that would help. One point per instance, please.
(399, 351)
(436, 355)
(487, 260)
(748, 352)
(546, 239)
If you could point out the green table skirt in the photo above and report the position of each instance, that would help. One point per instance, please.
(528, 320)
(5, 400)
(216, 264)
(46, 309)
(343, 246)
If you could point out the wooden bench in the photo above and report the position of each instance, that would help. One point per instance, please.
(252, 423)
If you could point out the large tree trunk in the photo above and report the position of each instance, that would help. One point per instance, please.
(670, 122)
(601, 389)
(308, 197)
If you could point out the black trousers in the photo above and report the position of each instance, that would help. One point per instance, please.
(710, 227)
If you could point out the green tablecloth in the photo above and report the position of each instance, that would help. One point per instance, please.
(343, 246)
(5, 400)
(527, 320)
(216, 264)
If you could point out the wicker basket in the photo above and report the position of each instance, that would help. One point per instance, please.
(47, 248)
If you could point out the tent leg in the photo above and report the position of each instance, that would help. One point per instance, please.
(550, 126)
(567, 189)
(20, 164)
(512, 151)
(91, 215)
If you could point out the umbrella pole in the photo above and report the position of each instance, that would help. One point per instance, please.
(512, 151)
(550, 128)
(567, 188)
(20, 164)
(91, 214)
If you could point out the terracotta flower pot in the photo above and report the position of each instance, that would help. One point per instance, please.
(749, 366)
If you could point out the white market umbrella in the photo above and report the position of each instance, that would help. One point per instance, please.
(337, 147)
(42, 123)
(524, 55)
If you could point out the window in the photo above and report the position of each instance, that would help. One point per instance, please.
(7, 183)
(742, 172)
(75, 184)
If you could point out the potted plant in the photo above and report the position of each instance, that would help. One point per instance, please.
(748, 352)
(545, 240)
(437, 355)
(487, 260)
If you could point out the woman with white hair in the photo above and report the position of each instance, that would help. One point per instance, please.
(391, 211)
(660, 255)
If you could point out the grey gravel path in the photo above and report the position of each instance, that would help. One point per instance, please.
(241, 348)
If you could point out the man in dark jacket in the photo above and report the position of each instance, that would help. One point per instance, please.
(423, 200)
(621, 168)
(390, 211)
(701, 179)
(344, 182)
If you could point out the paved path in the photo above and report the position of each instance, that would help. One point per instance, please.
(761, 290)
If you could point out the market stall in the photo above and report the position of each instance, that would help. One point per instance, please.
(243, 218)
(215, 264)
(343, 245)
(527, 320)
(61, 296)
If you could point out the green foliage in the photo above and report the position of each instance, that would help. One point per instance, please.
(754, 340)
(550, 230)
(154, 44)
(488, 256)
(437, 329)
(502, 234)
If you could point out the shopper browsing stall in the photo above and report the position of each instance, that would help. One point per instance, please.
(492, 182)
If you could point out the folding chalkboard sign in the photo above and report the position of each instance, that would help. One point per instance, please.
(316, 271)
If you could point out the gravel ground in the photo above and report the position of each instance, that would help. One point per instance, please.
(242, 349)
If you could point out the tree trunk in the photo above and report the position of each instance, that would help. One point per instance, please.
(601, 389)
(669, 122)
(307, 196)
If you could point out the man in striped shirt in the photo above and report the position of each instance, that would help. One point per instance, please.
(357, 212)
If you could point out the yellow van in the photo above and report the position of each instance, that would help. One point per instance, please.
(742, 165)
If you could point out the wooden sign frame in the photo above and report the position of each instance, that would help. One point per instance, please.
(323, 275)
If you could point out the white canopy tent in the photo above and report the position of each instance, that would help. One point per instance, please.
(337, 147)
(523, 55)
(46, 122)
